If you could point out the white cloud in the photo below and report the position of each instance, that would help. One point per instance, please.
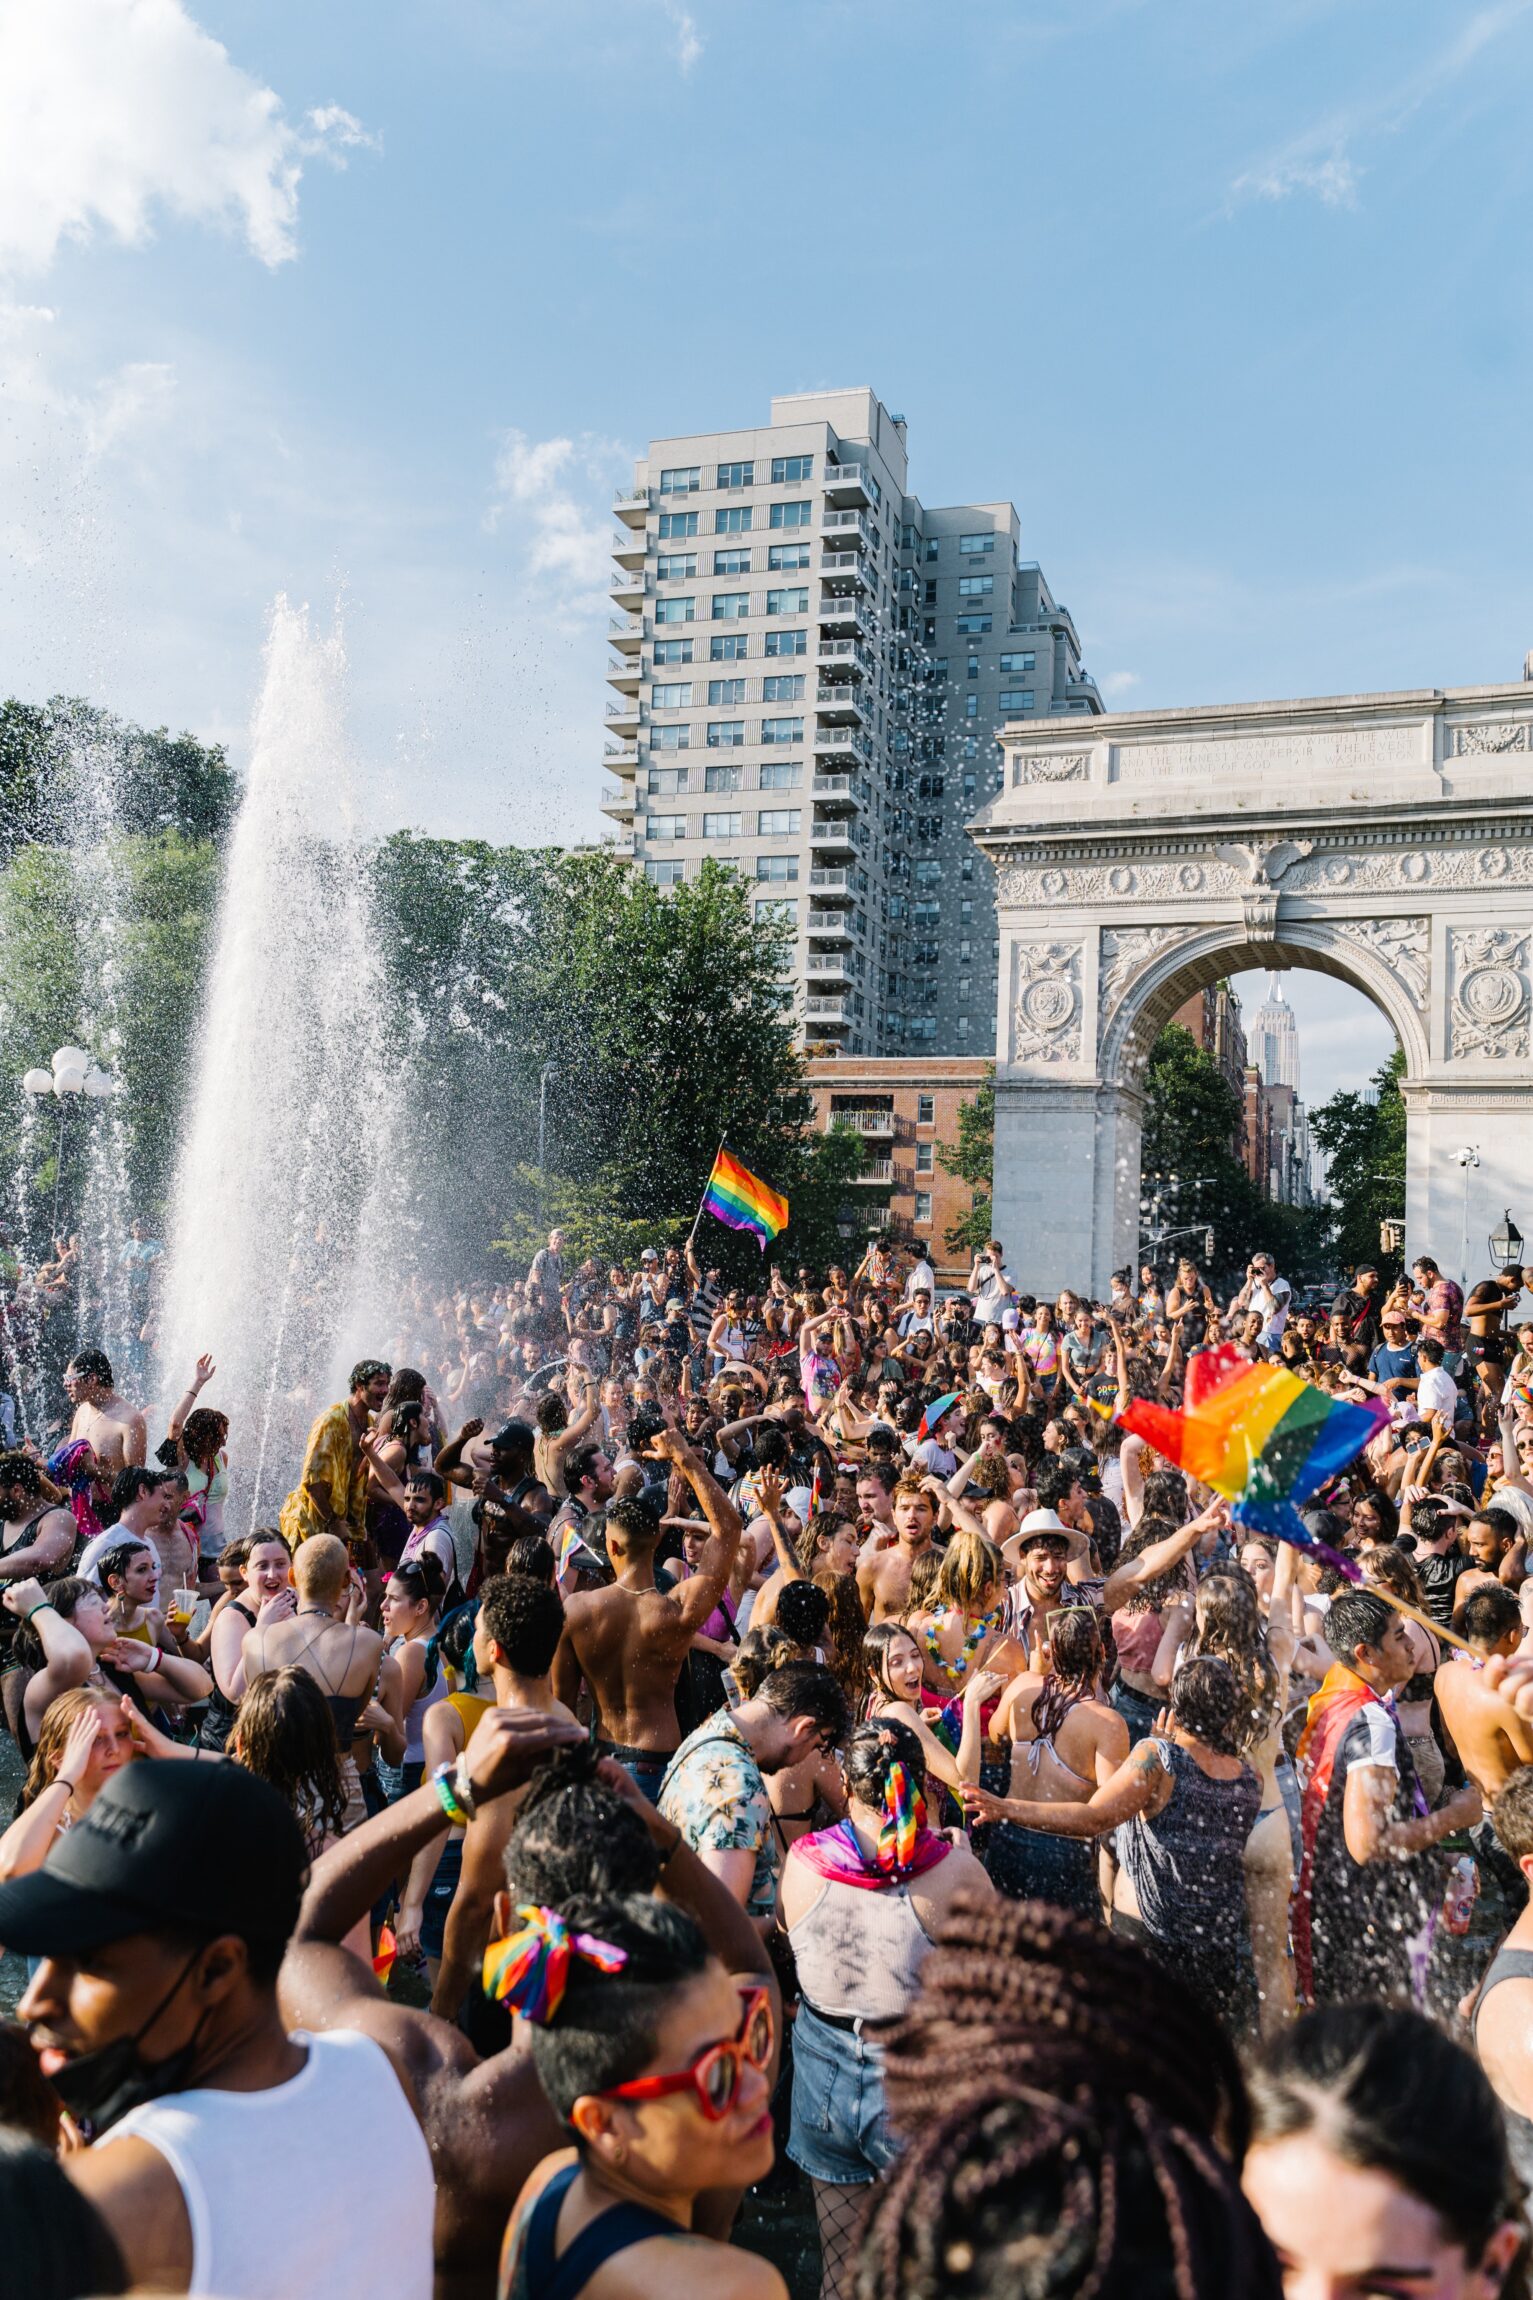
(553, 493)
(1119, 682)
(1332, 180)
(689, 46)
(112, 111)
(133, 400)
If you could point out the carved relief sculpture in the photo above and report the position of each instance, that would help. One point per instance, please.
(1046, 1015)
(1509, 735)
(1127, 951)
(1489, 1011)
(1052, 766)
(1403, 944)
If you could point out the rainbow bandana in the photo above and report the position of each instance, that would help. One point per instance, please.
(529, 1970)
(1264, 1439)
(735, 1197)
(906, 1845)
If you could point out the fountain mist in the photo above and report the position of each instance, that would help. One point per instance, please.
(285, 1163)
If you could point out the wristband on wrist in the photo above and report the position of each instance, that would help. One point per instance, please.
(463, 1787)
(43, 1605)
(447, 1796)
(155, 1658)
(671, 1847)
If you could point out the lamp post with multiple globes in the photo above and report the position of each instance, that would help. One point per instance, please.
(72, 1073)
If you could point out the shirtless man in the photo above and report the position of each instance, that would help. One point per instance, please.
(146, 1508)
(487, 2122)
(326, 1637)
(1503, 2009)
(520, 1623)
(36, 1539)
(629, 1641)
(114, 1430)
(883, 1577)
(1491, 1738)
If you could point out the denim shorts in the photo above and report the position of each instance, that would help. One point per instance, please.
(839, 2132)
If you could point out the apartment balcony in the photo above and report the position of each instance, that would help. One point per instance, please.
(631, 505)
(841, 742)
(624, 848)
(839, 698)
(830, 885)
(844, 656)
(879, 1122)
(832, 925)
(828, 970)
(848, 483)
(620, 758)
(627, 585)
(879, 1170)
(843, 615)
(845, 530)
(626, 633)
(837, 794)
(631, 550)
(622, 718)
(625, 677)
(846, 565)
(826, 1012)
(833, 837)
(617, 803)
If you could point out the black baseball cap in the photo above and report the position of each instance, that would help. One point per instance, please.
(169, 1844)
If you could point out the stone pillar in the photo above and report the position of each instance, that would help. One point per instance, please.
(1451, 1208)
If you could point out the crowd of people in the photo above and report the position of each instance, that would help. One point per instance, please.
(674, 1732)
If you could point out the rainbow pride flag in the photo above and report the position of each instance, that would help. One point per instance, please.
(735, 1196)
(1264, 1439)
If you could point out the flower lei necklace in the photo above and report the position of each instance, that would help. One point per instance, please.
(956, 1671)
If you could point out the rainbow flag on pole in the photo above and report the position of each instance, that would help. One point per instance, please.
(1264, 1439)
(736, 1197)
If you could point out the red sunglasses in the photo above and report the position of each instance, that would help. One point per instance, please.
(716, 2073)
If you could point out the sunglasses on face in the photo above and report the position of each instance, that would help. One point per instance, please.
(716, 2074)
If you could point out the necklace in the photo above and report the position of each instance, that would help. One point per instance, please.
(956, 1671)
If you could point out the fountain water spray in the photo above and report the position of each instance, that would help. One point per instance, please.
(279, 1228)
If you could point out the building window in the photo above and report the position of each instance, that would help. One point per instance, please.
(784, 906)
(794, 601)
(790, 514)
(682, 479)
(973, 626)
(676, 525)
(731, 606)
(674, 610)
(782, 558)
(665, 873)
(928, 874)
(926, 1110)
(788, 470)
(732, 562)
(975, 586)
(728, 647)
(782, 730)
(665, 826)
(972, 545)
(965, 988)
(724, 692)
(671, 695)
(1017, 666)
(737, 474)
(780, 867)
(667, 782)
(930, 599)
(784, 687)
(963, 1026)
(726, 734)
(779, 823)
(924, 1198)
(781, 775)
(670, 738)
(787, 642)
(1015, 699)
(722, 778)
(721, 826)
(672, 651)
(923, 1157)
(971, 706)
(973, 666)
(933, 546)
(733, 519)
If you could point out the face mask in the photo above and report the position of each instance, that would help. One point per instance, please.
(98, 2088)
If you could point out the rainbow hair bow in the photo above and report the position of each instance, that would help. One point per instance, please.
(530, 1969)
(904, 1819)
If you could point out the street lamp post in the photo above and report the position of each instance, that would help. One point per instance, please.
(1469, 1159)
(72, 1072)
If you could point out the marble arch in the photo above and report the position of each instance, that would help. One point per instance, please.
(1385, 839)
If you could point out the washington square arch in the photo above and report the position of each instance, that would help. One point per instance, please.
(1386, 839)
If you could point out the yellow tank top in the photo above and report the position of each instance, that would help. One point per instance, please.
(470, 1708)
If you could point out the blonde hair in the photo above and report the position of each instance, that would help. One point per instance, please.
(320, 1566)
(972, 1569)
(59, 1720)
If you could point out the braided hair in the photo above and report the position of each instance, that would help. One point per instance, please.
(1072, 2124)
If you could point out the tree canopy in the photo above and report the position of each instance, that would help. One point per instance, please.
(1363, 1137)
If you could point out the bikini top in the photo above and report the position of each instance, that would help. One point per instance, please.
(542, 2274)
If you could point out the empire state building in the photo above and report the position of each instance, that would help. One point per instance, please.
(1274, 1038)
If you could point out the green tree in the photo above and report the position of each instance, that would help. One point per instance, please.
(972, 1159)
(66, 762)
(1364, 1144)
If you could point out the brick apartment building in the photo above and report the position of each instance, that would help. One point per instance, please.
(902, 1110)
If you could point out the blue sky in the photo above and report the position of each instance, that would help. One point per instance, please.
(372, 303)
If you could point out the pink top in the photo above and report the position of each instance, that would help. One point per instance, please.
(1137, 1637)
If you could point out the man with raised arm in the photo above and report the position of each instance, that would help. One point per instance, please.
(629, 1642)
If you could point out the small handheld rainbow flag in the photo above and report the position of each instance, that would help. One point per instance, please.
(735, 1196)
(1261, 1437)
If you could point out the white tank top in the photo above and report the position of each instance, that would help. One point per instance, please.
(272, 2179)
(860, 1953)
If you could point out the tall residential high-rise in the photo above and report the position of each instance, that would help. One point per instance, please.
(811, 671)
(1275, 1038)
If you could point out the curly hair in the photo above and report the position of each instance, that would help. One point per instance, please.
(1229, 1626)
(1152, 1595)
(1072, 2123)
(846, 1629)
